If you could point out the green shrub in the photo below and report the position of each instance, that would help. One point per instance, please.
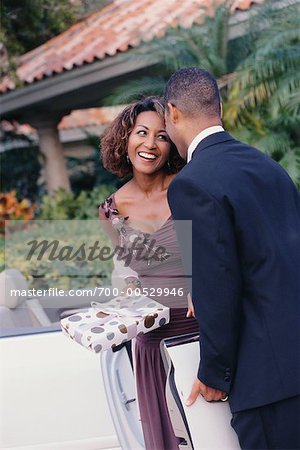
(16, 165)
(63, 205)
(47, 253)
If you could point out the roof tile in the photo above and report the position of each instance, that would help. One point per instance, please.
(82, 118)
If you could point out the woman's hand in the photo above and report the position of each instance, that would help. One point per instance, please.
(132, 283)
(190, 311)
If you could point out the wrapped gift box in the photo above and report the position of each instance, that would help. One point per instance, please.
(105, 326)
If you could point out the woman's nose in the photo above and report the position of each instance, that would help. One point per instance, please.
(150, 142)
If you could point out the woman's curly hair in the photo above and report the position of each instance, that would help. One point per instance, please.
(114, 141)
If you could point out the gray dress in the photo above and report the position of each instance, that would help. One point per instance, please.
(160, 272)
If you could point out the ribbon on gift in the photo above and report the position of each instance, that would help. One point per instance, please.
(126, 316)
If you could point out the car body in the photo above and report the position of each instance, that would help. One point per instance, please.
(57, 395)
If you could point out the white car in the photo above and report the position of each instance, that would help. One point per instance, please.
(56, 395)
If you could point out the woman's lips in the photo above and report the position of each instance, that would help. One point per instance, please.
(148, 156)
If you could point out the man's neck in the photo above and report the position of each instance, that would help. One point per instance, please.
(193, 128)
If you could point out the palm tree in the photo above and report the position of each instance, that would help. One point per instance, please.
(204, 45)
(263, 105)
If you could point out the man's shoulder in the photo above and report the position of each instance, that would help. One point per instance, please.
(228, 158)
(220, 166)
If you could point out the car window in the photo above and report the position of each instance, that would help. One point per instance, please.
(42, 314)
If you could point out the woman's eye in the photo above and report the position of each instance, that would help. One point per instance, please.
(163, 137)
(141, 133)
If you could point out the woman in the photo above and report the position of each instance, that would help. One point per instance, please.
(138, 216)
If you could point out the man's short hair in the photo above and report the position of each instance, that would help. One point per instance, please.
(194, 91)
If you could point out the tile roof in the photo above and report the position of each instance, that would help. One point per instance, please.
(82, 118)
(79, 118)
(72, 127)
(119, 26)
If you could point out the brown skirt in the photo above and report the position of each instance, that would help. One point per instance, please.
(151, 381)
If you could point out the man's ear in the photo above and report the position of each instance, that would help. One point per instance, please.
(173, 112)
(221, 110)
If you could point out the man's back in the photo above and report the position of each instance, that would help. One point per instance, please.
(246, 262)
(257, 214)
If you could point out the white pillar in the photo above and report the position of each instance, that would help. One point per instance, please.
(54, 164)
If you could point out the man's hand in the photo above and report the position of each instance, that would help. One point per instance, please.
(208, 393)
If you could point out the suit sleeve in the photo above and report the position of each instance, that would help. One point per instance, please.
(216, 279)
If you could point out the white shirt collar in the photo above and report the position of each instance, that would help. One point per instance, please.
(197, 139)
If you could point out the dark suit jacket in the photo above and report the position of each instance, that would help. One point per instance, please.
(246, 269)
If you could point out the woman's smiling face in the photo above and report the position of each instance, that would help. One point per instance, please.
(148, 143)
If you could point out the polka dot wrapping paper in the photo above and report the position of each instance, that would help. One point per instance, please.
(104, 326)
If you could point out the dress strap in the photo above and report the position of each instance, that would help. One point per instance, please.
(107, 209)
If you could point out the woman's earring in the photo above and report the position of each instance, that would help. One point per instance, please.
(128, 160)
(169, 166)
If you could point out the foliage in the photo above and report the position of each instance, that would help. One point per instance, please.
(71, 219)
(16, 164)
(12, 208)
(63, 205)
(264, 100)
(62, 265)
(26, 24)
(204, 45)
(29, 23)
(86, 7)
(86, 173)
(133, 90)
(271, 75)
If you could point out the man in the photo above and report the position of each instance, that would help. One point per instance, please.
(246, 266)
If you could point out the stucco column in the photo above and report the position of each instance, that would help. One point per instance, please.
(54, 164)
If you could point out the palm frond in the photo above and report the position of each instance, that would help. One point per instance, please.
(270, 75)
(135, 90)
(274, 144)
(286, 95)
(291, 163)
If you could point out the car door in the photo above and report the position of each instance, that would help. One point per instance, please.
(52, 395)
(200, 426)
(120, 388)
(203, 425)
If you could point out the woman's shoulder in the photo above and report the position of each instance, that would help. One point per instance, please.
(124, 196)
(108, 208)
